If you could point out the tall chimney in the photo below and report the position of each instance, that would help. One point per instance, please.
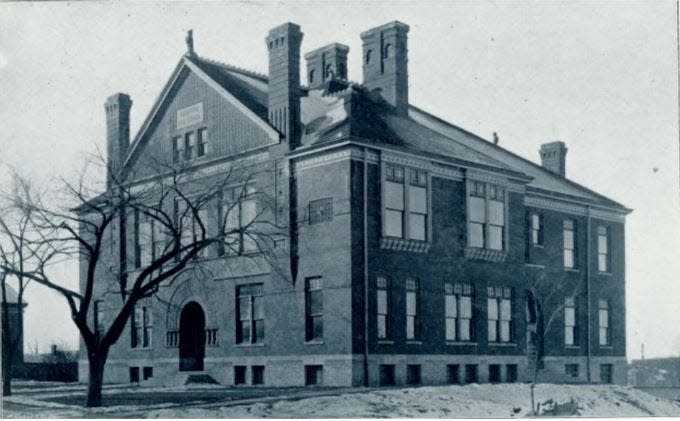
(326, 63)
(283, 43)
(554, 157)
(117, 134)
(385, 63)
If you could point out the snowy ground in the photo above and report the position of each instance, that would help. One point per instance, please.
(477, 401)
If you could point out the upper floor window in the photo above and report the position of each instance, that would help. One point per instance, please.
(569, 246)
(486, 216)
(458, 311)
(603, 249)
(177, 148)
(189, 145)
(406, 203)
(536, 229)
(569, 321)
(383, 307)
(143, 240)
(238, 211)
(499, 311)
(250, 312)
(603, 322)
(193, 144)
(411, 309)
(192, 224)
(202, 148)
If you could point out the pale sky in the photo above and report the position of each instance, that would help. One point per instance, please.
(600, 76)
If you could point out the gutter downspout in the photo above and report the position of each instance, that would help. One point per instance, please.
(588, 304)
(365, 230)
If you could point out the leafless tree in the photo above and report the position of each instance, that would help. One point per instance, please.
(173, 205)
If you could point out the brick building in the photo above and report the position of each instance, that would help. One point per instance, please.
(413, 244)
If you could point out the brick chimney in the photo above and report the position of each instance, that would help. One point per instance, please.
(554, 157)
(283, 43)
(385, 63)
(326, 63)
(117, 134)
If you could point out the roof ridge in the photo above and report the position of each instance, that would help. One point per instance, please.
(238, 69)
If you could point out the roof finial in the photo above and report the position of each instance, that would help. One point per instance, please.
(495, 138)
(190, 43)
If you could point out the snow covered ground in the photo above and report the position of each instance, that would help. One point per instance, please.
(476, 401)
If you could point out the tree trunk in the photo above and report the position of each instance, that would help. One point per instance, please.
(7, 347)
(96, 379)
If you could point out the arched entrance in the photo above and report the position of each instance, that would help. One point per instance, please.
(191, 337)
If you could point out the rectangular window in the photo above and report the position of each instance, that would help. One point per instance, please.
(511, 373)
(189, 145)
(387, 375)
(383, 308)
(238, 211)
(250, 312)
(499, 312)
(257, 374)
(571, 370)
(603, 319)
(177, 148)
(411, 309)
(202, 149)
(470, 373)
(569, 243)
(141, 327)
(536, 229)
(239, 374)
(147, 328)
(313, 375)
(453, 374)
(413, 374)
(314, 309)
(603, 249)
(134, 374)
(569, 321)
(486, 216)
(406, 203)
(494, 373)
(458, 311)
(147, 373)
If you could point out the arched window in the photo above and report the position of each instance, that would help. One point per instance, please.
(368, 56)
(388, 49)
(329, 72)
(311, 76)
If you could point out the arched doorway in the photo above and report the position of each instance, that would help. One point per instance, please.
(191, 337)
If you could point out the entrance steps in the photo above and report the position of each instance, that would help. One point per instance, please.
(183, 378)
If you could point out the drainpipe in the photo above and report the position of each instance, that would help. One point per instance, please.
(365, 230)
(588, 305)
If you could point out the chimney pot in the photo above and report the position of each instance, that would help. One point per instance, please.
(328, 63)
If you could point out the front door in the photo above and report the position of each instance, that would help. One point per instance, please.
(191, 338)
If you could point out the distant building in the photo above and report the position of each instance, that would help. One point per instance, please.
(655, 372)
(412, 236)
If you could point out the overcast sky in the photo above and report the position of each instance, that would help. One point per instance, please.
(601, 77)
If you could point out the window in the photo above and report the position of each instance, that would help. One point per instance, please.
(470, 373)
(238, 211)
(536, 229)
(320, 210)
(406, 204)
(142, 240)
(606, 372)
(569, 234)
(494, 373)
(177, 149)
(99, 326)
(511, 373)
(141, 327)
(202, 149)
(311, 77)
(250, 311)
(314, 309)
(413, 374)
(189, 144)
(571, 370)
(387, 375)
(602, 249)
(257, 374)
(411, 309)
(147, 373)
(569, 321)
(458, 311)
(453, 374)
(382, 307)
(499, 310)
(603, 310)
(134, 374)
(486, 216)
(191, 231)
(239, 374)
(313, 375)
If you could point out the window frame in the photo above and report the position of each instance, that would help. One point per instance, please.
(499, 295)
(313, 285)
(202, 142)
(240, 198)
(536, 229)
(574, 248)
(457, 292)
(409, 178)
(604, 307)
(141, 327)
(412, 287)
(488, 192)
(251, 292)
(570, 330)
(383, 318)
(603, 232)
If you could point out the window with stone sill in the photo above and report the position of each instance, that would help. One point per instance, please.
(458, 312)
(406, 206)
(499, 314)
(486, 216)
